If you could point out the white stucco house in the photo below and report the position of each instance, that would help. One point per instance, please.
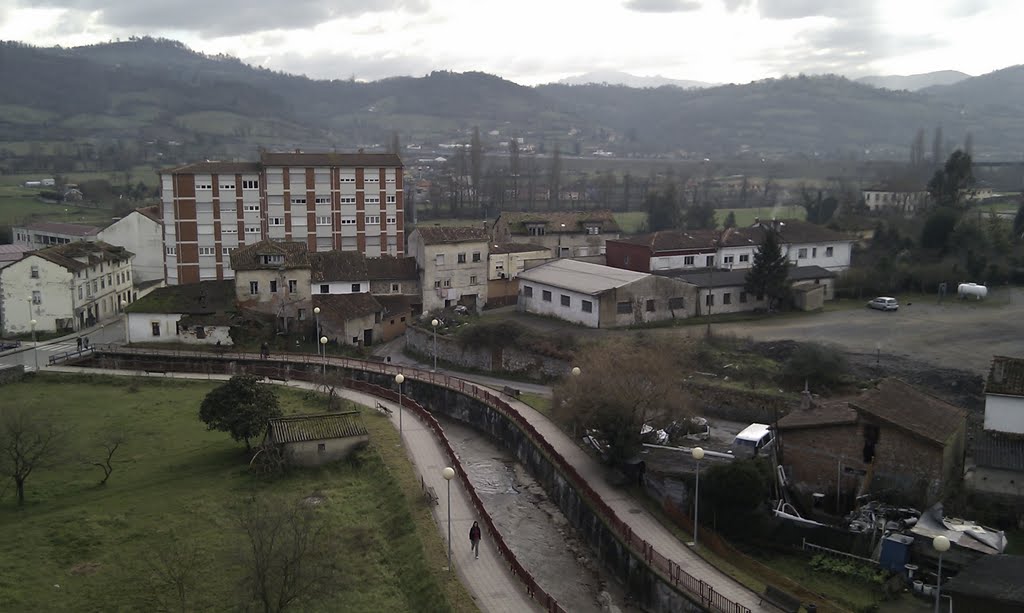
(722, 291)
(142, 233)
(197, 313)
(453, 265)
(805, 244)
(601, 296)
(65, 288)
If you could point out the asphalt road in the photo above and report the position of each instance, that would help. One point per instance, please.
(109, 332)
(955, 334)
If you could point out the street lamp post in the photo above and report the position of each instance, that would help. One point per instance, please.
(448, 473)
(316, 314)
(323, 341)
(941, 545)
(434, 323)
(127, 330)
(698, 455)
(35, 345)
(399, 379)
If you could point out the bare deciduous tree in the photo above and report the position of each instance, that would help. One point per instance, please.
(623, 385)
(174, 574)
(110, 444)
(28, 442)
(290, 559)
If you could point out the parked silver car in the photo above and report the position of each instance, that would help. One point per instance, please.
(884, 303)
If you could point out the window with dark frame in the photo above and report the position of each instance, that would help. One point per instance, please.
(566, 300)
(546, 296)
(650, 306)
(624, 308)
(587, 306)
(727, 298)
(528, 291)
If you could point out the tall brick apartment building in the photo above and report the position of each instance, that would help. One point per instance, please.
(344, 201)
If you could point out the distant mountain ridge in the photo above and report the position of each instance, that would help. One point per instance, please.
(915, 82)
(150, 89)
(615, 77)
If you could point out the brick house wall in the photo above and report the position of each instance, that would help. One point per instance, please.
(907, 467)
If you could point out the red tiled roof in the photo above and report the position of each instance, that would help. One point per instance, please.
(68, 254)
(833, 413)
(517, 248)
(373, 160)
(560, 221)
(675, 240)
(248, 257)
(56, 227)
(907, 407)
(388, 267)
(344, 307)
(436, 235)
(1006, 376)
(338, 266)
(214, 168)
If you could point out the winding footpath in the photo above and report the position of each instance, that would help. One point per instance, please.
(493, 586)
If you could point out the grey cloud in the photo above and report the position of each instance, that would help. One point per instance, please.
(846, 48)
(227, 17)
(796, 9)
(662, 6)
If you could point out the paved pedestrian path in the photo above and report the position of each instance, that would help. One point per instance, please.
(643, 524)
(493, 587)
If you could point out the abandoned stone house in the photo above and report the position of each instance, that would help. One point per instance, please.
(314, 440)
(893, 441)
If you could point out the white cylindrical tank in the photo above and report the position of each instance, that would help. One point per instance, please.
(972, 290)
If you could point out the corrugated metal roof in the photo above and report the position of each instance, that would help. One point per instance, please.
(581, 277)
(300, 428)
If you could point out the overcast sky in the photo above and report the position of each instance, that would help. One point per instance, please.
(538, 41)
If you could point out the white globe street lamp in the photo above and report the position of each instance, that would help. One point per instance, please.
(698, 455)
(316, 314)
(323, 342)
(435, 323)
(35, 344)
(448, 473)
(399, 379)
(941, 545)
(576, 371)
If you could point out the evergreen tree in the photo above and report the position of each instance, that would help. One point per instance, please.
(663, 209)
(730, 220)
(950, 183)
(768, 275)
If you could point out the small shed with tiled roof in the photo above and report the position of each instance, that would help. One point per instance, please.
(314, 440)
(894, 438)
(1004, 395)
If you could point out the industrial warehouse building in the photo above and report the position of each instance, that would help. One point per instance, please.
(601, 296)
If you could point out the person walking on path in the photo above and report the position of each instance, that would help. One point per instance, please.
(474, 539)
(79, 343)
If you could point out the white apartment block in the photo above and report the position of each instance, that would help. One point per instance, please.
(453, 264)
(342, 201)
(65, 288)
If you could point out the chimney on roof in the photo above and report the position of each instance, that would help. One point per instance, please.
(998, 371)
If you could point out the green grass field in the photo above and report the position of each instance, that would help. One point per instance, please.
(173, 479)
(18, 204)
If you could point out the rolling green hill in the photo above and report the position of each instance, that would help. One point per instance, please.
(158, 89)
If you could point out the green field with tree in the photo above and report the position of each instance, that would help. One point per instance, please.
(179, 515)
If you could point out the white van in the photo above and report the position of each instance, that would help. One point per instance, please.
(754, 440)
